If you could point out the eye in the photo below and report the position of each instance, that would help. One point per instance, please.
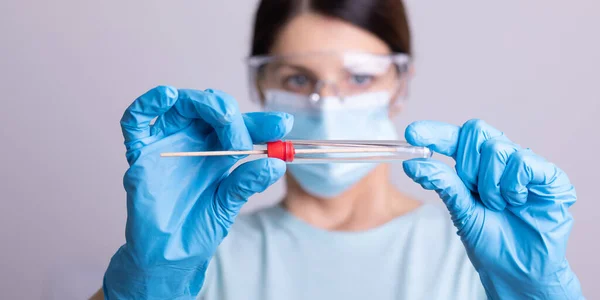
(297, 81)
(360, 80)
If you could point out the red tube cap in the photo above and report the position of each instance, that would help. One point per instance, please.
(282, 150)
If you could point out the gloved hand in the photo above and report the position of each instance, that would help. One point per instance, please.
(180, 209)
(509, 205)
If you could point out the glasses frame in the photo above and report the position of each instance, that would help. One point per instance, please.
(255, 62)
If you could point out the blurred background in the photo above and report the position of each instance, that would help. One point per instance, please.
(69, 68)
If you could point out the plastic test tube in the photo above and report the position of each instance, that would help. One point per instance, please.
(346, 151)
(329, 151)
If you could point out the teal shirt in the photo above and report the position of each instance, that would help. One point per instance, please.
(272, 255)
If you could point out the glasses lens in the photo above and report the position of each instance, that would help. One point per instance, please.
(331, 74)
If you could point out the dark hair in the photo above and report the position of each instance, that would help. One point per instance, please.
(386, 19)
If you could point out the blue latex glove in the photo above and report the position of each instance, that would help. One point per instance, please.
(509, 205)
(180, 209)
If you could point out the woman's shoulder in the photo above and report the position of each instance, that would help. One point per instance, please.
(256, 221)
(250, 228)
(433, 224)
(433, 242)
(240, 252)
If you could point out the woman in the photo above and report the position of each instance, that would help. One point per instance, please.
(332, 70)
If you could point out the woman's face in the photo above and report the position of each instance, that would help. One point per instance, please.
(313, 34)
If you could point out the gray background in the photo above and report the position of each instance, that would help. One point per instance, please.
(69, 68)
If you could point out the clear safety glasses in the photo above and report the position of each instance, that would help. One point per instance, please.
(317, 75)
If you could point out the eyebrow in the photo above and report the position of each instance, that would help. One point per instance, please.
(278, 66)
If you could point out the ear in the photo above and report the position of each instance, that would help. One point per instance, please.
(399, 98)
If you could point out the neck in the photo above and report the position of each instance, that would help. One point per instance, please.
(371, 202)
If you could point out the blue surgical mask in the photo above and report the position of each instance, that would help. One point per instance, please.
(359, 117)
